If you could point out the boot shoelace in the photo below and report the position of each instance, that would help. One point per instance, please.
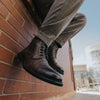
(42, 50)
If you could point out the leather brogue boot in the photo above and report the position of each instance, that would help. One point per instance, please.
(51, 57)
(34, 62)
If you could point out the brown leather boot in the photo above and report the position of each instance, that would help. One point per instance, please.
(51, 57)
(34, 61)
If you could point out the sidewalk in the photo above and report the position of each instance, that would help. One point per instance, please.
(81, 96)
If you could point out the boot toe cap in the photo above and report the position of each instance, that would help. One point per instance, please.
(55, 76)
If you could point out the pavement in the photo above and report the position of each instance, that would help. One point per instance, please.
(85, 96)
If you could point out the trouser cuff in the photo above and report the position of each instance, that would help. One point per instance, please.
(45, 39)
(60, 42)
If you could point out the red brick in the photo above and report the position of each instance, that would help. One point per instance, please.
(12, 1)
(43, 82)
(9, 43)
(22, 87)
(11, 31)
(29, 24)
(34, 27)
(9, 97)
(14, 12)
(20, 9)
(46, 95)
(8, 71)
(31, 78)
(47, 86)
(3, 10)
(18, 87)
(21, 3)
(18, 27)
(27, 27)
(31, 96)
(1, 85)
(43, 88)
(27, 21)
(6, 55)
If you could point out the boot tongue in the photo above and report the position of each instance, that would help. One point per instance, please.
(39, 52)
(42, 50)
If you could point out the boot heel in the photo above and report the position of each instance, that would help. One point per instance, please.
(18, 59)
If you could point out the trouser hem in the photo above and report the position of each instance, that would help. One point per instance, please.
(44, 38)
(60, 42)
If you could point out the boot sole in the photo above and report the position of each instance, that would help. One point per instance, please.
(38, 75)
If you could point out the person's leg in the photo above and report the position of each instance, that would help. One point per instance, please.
(73, 28)
(59, 16)
(34, 61)
(42, 7)
(33, 57)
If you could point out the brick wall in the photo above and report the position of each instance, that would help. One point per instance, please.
(17, 29)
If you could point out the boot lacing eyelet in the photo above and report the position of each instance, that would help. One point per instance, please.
(42, 49)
